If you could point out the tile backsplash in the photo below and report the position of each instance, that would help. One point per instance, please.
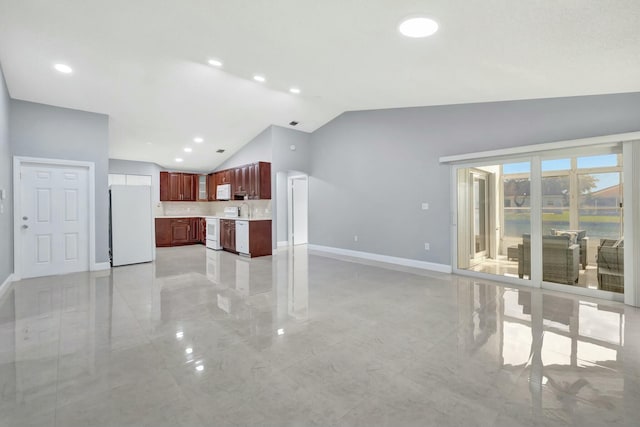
(257, 208)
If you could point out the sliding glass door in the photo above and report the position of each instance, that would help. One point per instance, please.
(494, 212)
(580, 206)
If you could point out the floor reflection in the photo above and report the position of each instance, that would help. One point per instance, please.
(570, 351)
(202, 337)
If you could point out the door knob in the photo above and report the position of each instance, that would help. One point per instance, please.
(25, 218)
(24, 227)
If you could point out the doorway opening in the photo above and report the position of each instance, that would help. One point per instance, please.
(298, 215)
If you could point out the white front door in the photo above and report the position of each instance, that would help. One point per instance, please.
(53, 220)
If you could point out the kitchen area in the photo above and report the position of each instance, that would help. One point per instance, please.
(226, 210)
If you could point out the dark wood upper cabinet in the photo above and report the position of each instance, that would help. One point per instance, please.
(176, 186)
(252, 181)
(164, 186)
(240, 182)
(259, 180)
(223, 177)
(211, 180)
(189, 187)
(202, 188)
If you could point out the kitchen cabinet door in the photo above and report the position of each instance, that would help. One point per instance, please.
(203, 188)
(223, 177)
(252, 181)
(228, 235)
(260, 243)
(203, 231)
(211, 178)
(164, 186)
(194, 230)
(163, 232)
(264, 180)
(188, 187)
(175, 186)
(180, 232)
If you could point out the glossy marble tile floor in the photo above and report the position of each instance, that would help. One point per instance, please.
(204, 338)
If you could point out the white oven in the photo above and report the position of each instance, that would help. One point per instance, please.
(213, 233)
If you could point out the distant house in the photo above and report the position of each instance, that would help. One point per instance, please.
(607, 197)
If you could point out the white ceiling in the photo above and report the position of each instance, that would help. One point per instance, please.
(144, 62)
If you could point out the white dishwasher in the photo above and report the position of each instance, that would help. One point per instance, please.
(242, 237)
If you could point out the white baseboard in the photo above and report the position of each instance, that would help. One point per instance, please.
(100, 266)
(5, 285)
(424, 265)
(283, 243)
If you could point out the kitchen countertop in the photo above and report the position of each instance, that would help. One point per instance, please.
(213, 216)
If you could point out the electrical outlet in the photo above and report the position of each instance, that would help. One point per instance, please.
(425, 206)
(355, 238)
(427, 247)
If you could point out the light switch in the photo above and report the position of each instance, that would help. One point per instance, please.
(425, 206)
(3, 194)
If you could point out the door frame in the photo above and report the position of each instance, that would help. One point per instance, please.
(630, 151)
(475, 173)
(290, 216)
(18, 161)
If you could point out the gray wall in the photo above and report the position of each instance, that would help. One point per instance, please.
(285, 159)
(256, 150)
(6, 183)
(274, 145)
(130, 167)
(39, 130)
(285, 162)
(371, 170)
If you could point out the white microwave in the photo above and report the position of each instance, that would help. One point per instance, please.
(223, 192)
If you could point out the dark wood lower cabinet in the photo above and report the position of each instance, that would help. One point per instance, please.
(190, 231)
(163, 232)
(179, 231)
(228, 234)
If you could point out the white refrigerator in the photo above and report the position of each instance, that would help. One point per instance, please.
(131, 225)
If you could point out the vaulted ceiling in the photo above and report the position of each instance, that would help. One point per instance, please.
(144, 62)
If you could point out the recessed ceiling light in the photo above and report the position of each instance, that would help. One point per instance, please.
(149, 143)
(188, 350)
(418, 27)
(178, 159)
(188, 149)
(259, 78)
(294, 90)
(199, 368)
(215, 63)
(198, 140)
(63, 68)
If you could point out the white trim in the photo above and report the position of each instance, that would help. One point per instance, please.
(6, 284)
(283, 243)
(631, 214)
(510, 280)
(536, 148)
(17, 195)
(585, 292)
(424, 265)
(100, 266)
